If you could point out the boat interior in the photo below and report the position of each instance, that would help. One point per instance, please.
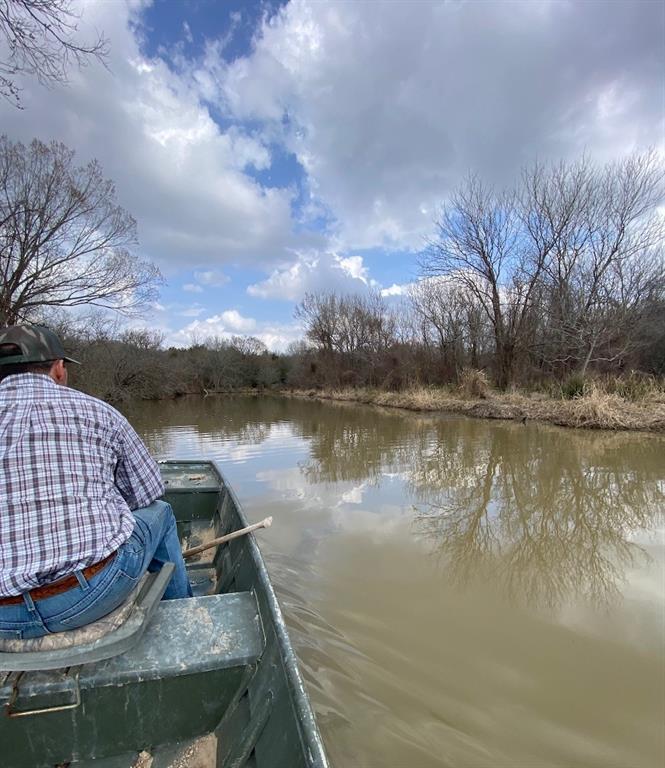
(212, 678)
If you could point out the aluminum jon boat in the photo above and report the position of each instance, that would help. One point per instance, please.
(200, 683)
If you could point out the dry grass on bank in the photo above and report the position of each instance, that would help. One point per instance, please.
(595, 409)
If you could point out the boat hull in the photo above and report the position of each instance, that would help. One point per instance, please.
(214, 677)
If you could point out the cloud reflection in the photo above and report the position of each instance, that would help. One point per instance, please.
(547, 514)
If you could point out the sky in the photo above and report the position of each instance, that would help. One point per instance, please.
(268, 149)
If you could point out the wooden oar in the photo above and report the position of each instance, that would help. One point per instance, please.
(233, 535)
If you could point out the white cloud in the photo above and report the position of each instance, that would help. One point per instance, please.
(227, 323)
(313, 272)
(396, 290)
(175, 169)
(353, 266)
(385, 105)
(389, 104)
(192, 312)
(276, 336)
(236, 322)
(212, 277)
(209, 278)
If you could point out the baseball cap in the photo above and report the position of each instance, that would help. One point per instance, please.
(30, 344)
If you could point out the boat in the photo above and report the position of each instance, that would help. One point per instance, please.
(210, 681)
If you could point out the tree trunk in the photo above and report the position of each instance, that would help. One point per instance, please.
(505, 359)
(587, 360)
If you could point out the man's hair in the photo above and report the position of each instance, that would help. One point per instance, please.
(6, 350)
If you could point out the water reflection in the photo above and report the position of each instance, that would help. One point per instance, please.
(352, 445)
(548, 514)
(418, 660)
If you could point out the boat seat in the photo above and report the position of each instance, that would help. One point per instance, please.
(175, 684)
(111, 635)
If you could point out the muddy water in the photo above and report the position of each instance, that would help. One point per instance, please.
(459, 592)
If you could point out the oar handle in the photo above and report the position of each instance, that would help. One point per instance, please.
(228, 537)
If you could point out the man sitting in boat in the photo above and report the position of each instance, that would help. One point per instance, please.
(79, 518)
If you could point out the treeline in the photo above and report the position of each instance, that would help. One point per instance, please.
(558, 277)
(440, 336)
(352, 341)
(134, 364)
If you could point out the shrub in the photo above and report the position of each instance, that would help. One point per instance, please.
(574, 386)
(635, 386)
(473, 383)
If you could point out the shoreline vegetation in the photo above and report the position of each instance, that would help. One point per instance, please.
(135, 366)
(592, 410)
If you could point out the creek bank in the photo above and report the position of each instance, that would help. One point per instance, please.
(596, 410)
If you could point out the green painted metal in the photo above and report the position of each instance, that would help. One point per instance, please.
(219, 666)
(175, 684)
(290, 736)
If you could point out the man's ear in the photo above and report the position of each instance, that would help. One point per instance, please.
(58, 372)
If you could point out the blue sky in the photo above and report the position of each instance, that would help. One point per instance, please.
(268, 149)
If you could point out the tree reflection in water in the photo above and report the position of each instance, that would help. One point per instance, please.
(546, 514)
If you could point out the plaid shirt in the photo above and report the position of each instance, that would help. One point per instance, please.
(71, 469)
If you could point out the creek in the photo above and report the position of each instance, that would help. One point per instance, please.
(459, 592)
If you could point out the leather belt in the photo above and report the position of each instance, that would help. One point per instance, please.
(59, 586)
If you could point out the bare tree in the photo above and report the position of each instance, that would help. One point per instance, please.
(40, 40)
(366, 326)
(351, 333)
(563, 265)
(480, 247)
(320, 315)
(606, 264)
(64, 241)
(451, 319)
(248, 346)
(347, 324)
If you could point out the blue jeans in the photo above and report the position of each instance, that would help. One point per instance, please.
(153, 542)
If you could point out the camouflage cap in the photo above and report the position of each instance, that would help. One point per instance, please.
(30, 344)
